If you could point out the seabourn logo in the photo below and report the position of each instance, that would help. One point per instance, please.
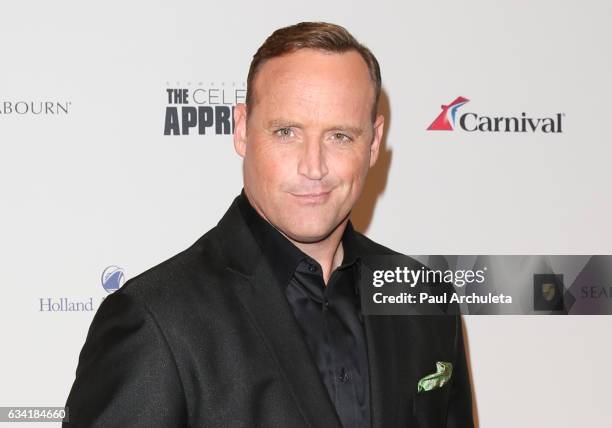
(36, 108)
(449, 120)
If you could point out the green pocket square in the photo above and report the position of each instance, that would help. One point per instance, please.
(437, 379)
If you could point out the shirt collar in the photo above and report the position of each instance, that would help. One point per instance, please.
(281, 253)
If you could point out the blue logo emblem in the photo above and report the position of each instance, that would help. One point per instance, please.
(113, 278)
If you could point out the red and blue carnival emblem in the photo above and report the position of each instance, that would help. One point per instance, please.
(446, 120)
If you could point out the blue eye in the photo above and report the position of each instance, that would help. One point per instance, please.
(339, 136)
(284, 132)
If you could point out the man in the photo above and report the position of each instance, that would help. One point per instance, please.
(258, 324)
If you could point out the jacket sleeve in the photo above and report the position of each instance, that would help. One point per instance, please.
(460, 404)
(126, 375)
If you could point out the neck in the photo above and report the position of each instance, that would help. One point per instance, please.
(328, 252)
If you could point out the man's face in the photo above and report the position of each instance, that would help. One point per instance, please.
(310, 140)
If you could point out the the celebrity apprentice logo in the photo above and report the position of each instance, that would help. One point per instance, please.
(449, 120)
(202, 110)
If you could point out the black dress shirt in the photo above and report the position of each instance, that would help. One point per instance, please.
(329, 316)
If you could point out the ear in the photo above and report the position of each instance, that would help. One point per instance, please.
(240, 129)
(379, 125)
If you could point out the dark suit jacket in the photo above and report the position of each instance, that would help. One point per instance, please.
(206, 339)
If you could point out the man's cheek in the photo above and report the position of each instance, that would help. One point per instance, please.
(283, 168)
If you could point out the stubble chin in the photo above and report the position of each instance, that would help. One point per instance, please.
(311, 228)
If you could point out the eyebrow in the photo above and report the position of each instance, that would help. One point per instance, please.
(350, 129)
(274, 123)
(356, 131)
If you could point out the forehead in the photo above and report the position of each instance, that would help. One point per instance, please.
(314, 83)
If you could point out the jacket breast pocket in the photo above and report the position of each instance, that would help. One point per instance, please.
(430, 407)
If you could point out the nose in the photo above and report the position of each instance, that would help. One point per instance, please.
(312, 160)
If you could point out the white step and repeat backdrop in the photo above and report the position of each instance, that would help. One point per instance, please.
(93, 192)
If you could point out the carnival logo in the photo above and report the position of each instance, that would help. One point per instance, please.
(450, 120)
(446, 120)
(196, 108)
(113, 278)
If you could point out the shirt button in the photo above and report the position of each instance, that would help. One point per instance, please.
(326, 303)
(344, 376)
(312, 267)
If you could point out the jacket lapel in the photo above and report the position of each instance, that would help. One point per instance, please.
(262, 297)
(271, 313)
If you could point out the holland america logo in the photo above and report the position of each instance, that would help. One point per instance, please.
(449, 120)
(113, 278)
(446, 120)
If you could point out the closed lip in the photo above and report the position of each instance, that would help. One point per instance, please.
(310, 195)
